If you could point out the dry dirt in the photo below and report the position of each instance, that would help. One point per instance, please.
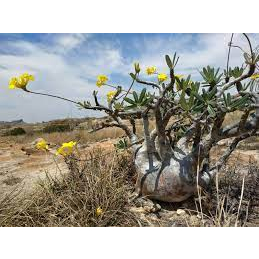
(23, 166)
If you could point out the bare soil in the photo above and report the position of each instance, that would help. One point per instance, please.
(22, 166)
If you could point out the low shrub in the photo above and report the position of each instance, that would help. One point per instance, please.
(15, 132)
(57, 128)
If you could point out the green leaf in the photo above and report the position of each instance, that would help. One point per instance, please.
(204, 71)
(168, 61)
(225, 99)
(133, 76)
(203, 75)
(198, 97)
(211, 111)
(128, 100)
(212, 93)
(183, 102)
(121, 144)
(135, 95)
(240, 102)
(188, 80)
(175, 60)
(142, 95)
(210, 76)
(216, 72)
(130, 107)
(145, 101)
(198, 108)
(195, 87)
(192, 98)
(229, 98)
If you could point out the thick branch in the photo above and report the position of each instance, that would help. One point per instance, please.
(149, 144)
(207, 176)
(130, 134)
(169, 114)
(235, 129)
(133, 123)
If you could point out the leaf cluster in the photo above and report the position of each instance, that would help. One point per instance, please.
(211, 76)
(138, 100)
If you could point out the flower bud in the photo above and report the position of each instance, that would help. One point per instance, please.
(137, 68)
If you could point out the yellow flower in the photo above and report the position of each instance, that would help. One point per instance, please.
(21, 81)
(99, 211)
(13, 83)
(101, 80)
(66, 148)
(161, 77)
(151, 70)
(110, 95)
(42, 144)
(254, 76)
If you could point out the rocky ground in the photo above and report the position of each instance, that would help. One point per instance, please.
(21, 166)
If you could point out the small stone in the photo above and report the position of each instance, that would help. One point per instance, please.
(137, 210)
(166, 214)
(180, 212)
(157, 207)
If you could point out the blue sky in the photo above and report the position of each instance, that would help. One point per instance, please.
(67, 65)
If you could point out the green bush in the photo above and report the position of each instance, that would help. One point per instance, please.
(57, 128)
(15, 132)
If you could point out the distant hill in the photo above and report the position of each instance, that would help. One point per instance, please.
(11, 123)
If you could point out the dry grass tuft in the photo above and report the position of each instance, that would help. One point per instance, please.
(234, 198)
(72, 200)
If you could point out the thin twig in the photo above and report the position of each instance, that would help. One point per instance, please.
(250, 45)
(240, 202)
(230, 43)
(133, 81)
(54, 96)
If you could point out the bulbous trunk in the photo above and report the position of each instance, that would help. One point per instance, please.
(172, 180)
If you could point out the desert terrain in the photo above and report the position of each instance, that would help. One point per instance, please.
(23, 168)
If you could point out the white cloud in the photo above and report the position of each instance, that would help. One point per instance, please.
(67, 42)
(54, 73)
(67, 65)
(195, 52)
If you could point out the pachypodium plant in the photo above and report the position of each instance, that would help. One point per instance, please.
(172, 155)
